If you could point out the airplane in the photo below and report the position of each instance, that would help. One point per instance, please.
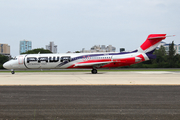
(92, 61)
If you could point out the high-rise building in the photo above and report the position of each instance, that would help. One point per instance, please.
(24, 46)
(166, 46)
(52, 47)
(4, 49)
(98, 48)
(110, 48)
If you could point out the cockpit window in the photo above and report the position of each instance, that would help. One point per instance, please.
(14, 58)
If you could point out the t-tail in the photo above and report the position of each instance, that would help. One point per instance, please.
(151, 43)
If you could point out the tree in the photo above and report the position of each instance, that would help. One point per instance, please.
(160, 52)
(171, 55)
(161, 58)
(36, 51)
(3, 59)
(176, 60)
(77, 52)
(172, 51)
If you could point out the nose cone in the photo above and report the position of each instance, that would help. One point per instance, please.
(7, 65)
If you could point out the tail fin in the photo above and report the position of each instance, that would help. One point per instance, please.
(151, 43)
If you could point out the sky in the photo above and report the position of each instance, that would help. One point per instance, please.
(76, 24)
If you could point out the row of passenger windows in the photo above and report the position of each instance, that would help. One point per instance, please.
(87, 58)
(100, 57)
(92, 58)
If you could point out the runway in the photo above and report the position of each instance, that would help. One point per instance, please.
(84, 78)
(85, 96)
(90, 102)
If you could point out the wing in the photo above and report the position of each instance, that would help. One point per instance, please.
(94, 64)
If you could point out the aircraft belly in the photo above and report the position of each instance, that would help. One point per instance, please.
(66, 65)
(48, 65)
(33, 65)
(21, 66)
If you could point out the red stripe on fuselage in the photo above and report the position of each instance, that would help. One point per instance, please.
(115, 63)
(142, 57)
(89, 61)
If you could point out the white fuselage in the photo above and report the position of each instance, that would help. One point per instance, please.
(72, 60)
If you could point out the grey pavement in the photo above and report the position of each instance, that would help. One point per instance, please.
(84, 96)
(85, 78)
(90, 102)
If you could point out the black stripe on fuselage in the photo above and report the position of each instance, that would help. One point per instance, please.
(25, 62)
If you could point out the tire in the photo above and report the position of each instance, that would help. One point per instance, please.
(94, 71)
(12, 72)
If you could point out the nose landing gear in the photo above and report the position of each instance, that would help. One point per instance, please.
(12, 71)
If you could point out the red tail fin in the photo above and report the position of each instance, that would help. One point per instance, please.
(152, 42)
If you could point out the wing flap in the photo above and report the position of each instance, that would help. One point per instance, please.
(92, 64)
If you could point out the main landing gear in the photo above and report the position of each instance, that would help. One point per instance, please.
(12, 71)
(93, 71)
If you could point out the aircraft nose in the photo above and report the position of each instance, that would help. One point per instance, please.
(7, 65)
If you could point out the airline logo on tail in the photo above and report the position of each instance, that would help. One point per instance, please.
(151, 42)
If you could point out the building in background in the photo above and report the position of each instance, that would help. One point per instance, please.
(24, 46)
(98, 48)
(166, 46)
(5, 50)
(52, 47)
(122, 49)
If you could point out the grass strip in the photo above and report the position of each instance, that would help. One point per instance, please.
(100, 70)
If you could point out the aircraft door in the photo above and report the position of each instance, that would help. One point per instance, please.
(111, 58)
(20, 60)
(114, 59)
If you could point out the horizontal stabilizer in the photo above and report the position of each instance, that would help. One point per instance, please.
(161, 37)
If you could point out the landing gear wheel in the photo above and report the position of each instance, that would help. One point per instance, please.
(93, 71)
(12, 72)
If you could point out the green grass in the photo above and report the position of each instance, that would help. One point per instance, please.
(143, 69)
(102, 70)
